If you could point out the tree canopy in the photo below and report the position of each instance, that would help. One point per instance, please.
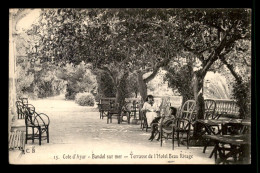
(125, 42)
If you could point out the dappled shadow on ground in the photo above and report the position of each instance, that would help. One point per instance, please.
(76, 129)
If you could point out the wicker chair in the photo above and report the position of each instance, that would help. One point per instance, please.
(180, 125)
(210, 107)
(144, 124)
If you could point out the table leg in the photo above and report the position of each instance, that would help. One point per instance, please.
(223, 129)
(214, 150)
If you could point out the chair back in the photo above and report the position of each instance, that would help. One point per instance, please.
(187, 115)
(136, 105)
(33, 118)
(210, 107)
(29, 111)
(127, 106)
(114, 107)
(24, 100)
(105, 103)
(105, 107)
(19, 107)
(188, 110)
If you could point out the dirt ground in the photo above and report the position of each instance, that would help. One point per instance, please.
(79, 136)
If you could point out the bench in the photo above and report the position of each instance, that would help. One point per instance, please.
(104, 106)
(16, 140)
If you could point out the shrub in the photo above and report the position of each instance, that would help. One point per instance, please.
(242, 95)
(79, 79)
(85, 99)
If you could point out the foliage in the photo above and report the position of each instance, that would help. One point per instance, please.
(132, 86)
(123, 41)
(240, 59)
(24, 81)
(85, 99)
(78, 79)
(118, 41)
(37, 80)
(211, 33)
(242, 95)
(180, 78)
(105, 87)
(237, 70)
(159, 86)
(46, 82)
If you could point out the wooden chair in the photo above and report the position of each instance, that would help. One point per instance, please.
(166, 129)
(180, 125)
(40, 122)
(135, 108)
(24, 100)
(210, 107)
(21, 104)
(167, 112)
(185, 120)
(143, 118)
(114, 110)
(144, 124)
(126, 112)
(104, 106)
(133, 105)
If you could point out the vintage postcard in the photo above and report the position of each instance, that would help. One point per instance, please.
(129, 86)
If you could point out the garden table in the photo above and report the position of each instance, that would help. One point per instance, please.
(224, 123)
(239, 145)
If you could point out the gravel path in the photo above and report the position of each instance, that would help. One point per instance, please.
(79, 136)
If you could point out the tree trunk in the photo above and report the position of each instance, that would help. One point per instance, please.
(119, 97)
(198, 95)
(136, 94)
(142, 86)
(121, 91)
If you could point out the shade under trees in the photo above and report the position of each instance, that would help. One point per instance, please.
(133, 42)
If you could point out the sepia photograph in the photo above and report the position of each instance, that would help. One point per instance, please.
(168, 86)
